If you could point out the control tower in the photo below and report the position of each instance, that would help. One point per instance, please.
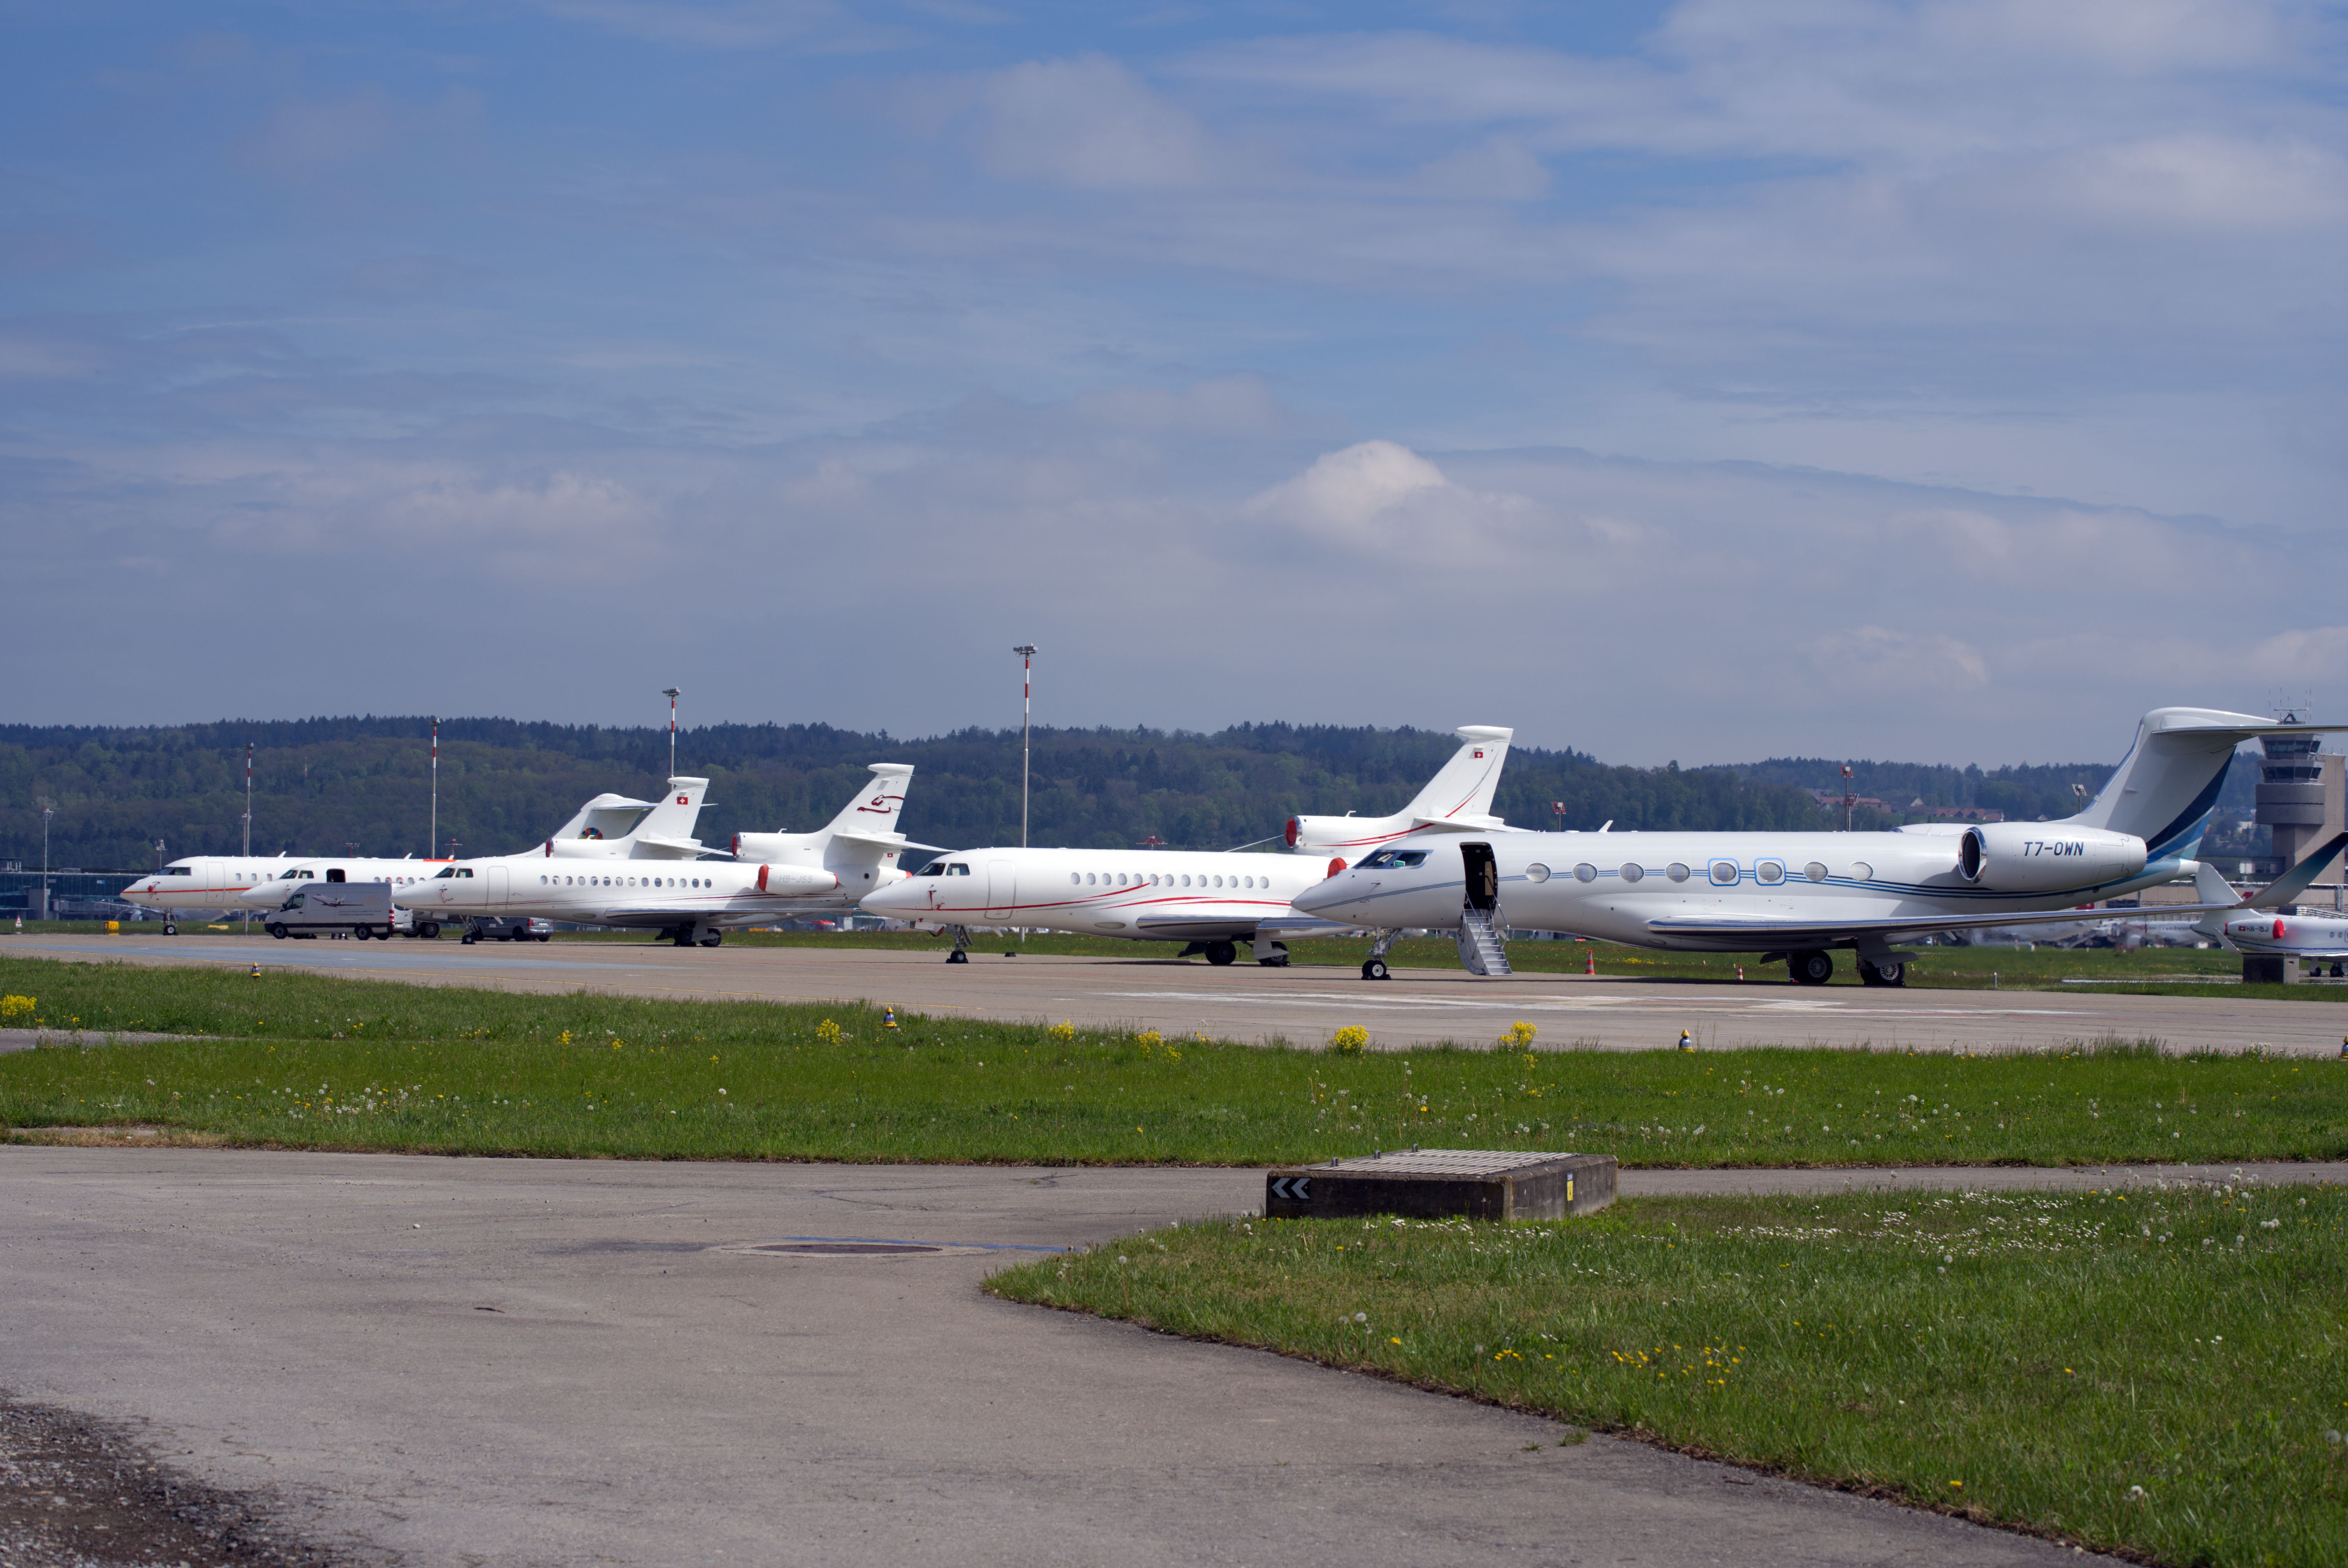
(2302, 797)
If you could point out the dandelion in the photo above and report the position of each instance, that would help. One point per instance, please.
(1063, 1032)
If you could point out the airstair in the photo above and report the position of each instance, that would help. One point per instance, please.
(1483, 947)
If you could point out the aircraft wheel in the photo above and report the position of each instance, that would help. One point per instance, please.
(429, 931)
(468, 939)
(170, 929)
(1375, 969)
(276, 931)
(712, 939)
(1893, 974)
(957, 957)
(1221, 953)
(1811, 968)
(2338, 971)
(1279, 963)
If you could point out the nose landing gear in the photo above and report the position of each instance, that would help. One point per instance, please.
(961, 954)
(1373, 968)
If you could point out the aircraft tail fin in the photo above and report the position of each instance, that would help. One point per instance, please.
(2210, 886)
(605, 817)
(2166, 786)
(1465, 786)
(876, 806)
(673, 818)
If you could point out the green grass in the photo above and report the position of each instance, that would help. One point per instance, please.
(2024, 1358)
(306, 1060)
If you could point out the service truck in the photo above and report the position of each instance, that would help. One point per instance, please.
(360, 910)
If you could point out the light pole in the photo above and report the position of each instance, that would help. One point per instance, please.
(432, 836)
(48, 810)
(671, 693)
(248, 800)
(1850, 797)
(1027, 651)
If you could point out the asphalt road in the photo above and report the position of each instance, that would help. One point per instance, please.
(1305, 1005)
(523, 1362)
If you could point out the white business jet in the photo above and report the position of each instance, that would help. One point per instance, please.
(1797, 895)
(2258, 930)
(206, 882)
(1210, 901)
(608, 827)
(773, 876)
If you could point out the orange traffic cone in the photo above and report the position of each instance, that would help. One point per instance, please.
(1591, 968)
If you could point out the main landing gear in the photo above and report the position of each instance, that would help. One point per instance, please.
(961, 954)
(170, 929)
(1223, 954)
(1814, 968)
(1373, 968)
(1882, 971)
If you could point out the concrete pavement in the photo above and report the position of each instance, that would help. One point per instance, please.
(468, 1361)
(1306, 1005)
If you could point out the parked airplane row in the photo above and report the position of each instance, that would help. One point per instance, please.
(1443, 862)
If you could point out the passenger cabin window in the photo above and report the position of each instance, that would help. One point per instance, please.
(1815, 871)
(1724, 874)
(1633, 873)
(1677, 872)
(1585, 872)
(1769, 871)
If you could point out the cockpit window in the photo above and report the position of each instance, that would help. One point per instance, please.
(444, 873)
(958, 868)
(934, 868)
(1399, 859)
(178, 871)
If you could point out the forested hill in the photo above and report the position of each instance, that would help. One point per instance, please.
(320, 784)
(2024, 794)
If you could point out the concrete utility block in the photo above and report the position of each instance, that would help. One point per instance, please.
(1444, 1183)
(2283, 971)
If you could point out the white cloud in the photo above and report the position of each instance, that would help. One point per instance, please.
(1876, 662)
(1087, 123)
(1386, 500)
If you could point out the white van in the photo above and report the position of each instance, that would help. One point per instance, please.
(361, 908)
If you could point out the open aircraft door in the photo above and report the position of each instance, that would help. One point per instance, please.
(1000, 894)
(1483, 875)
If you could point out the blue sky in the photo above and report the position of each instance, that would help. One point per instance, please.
(1706, 381)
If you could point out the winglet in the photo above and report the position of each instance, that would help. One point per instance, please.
(2288, 886)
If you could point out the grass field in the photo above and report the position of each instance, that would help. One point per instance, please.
(2174, 971)
(2164, 1371)
(303, 1060)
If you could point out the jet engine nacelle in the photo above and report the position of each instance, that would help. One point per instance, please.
(1349, 837)
(775, 848)
(2045, 856)
(796, 881)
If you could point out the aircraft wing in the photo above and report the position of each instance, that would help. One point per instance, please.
(1768, 932)
(2288, 886)
(886, 841)
(671, 848)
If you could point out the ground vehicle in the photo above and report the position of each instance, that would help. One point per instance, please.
(362, 909)
(508, 928)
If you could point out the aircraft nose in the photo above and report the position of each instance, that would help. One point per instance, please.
(1335, 892)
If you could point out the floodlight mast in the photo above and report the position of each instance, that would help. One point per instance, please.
(248, 800)
(671, 693)
(1027, 651)
(433, 837)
